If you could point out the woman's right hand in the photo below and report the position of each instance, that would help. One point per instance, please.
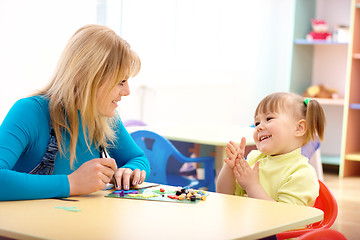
(92, 176)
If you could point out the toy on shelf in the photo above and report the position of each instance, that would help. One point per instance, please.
(319, 32)
(320, 91)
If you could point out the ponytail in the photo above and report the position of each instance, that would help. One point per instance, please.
(315, 119)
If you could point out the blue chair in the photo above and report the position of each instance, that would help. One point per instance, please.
(174, 166)
(159, 150)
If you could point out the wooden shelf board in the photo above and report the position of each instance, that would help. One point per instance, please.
(353, 157)
(330, 160)
(318, 42)
(356, 56)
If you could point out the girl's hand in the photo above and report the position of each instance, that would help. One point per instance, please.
(245, 175)
(226, 180)
(92, 176)
(234, 151)
(125, 177)
(249, 179)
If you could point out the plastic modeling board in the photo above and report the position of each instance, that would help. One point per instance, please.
(164, 194)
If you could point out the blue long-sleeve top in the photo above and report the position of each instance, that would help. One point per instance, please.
(24, 136)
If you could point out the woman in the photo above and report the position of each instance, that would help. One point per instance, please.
(62, 130)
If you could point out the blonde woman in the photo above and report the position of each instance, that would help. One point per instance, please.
(54, 143)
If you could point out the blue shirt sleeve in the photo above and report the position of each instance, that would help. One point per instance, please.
(22, 142)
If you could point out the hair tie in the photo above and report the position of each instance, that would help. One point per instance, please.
(306, 101)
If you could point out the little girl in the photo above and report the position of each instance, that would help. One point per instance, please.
(277, 171)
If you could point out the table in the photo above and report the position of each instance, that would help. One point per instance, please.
(219, 217)
(217, 135)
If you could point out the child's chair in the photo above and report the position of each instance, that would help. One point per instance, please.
(325, 202)
(158, 150)
(322, 234)
(185, 148)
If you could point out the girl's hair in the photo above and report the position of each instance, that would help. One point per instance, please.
(295, 104)
(93, 55)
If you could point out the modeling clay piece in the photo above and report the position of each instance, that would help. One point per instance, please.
(189, 194)
(144, 195)
(162, 190)
(173, 196)
(120, 192)
(123, 192)
(158, 191)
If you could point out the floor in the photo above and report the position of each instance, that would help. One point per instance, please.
(347, 193)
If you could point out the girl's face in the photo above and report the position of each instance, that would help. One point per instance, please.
(108, 103)
(276, 133)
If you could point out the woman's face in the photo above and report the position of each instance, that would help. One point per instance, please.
(108, 103)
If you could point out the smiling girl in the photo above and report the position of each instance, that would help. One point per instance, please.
(51, 143)
(276, 171)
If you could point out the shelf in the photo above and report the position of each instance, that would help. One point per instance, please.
(353, 157)
(331, 101)
(318, 42)
(330, 160)
(356, 56)
(354, 105)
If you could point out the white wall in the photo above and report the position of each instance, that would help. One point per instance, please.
(33, 35)
(258, 38)
(205, 61)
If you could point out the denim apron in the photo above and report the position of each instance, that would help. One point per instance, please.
(46, 166)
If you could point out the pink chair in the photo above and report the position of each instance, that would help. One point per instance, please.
(325, 202)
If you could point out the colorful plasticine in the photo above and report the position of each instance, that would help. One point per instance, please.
(178, 194)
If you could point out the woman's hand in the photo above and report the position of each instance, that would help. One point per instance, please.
(92, 176)
(125, 177)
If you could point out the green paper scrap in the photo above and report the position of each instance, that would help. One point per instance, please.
(70, 209)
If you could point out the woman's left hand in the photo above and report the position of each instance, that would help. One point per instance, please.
(125, 177)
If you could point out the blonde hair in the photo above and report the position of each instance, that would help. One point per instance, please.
(93, 56)
(312, 112)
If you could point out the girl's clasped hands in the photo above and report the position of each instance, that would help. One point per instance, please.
(246, 176)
